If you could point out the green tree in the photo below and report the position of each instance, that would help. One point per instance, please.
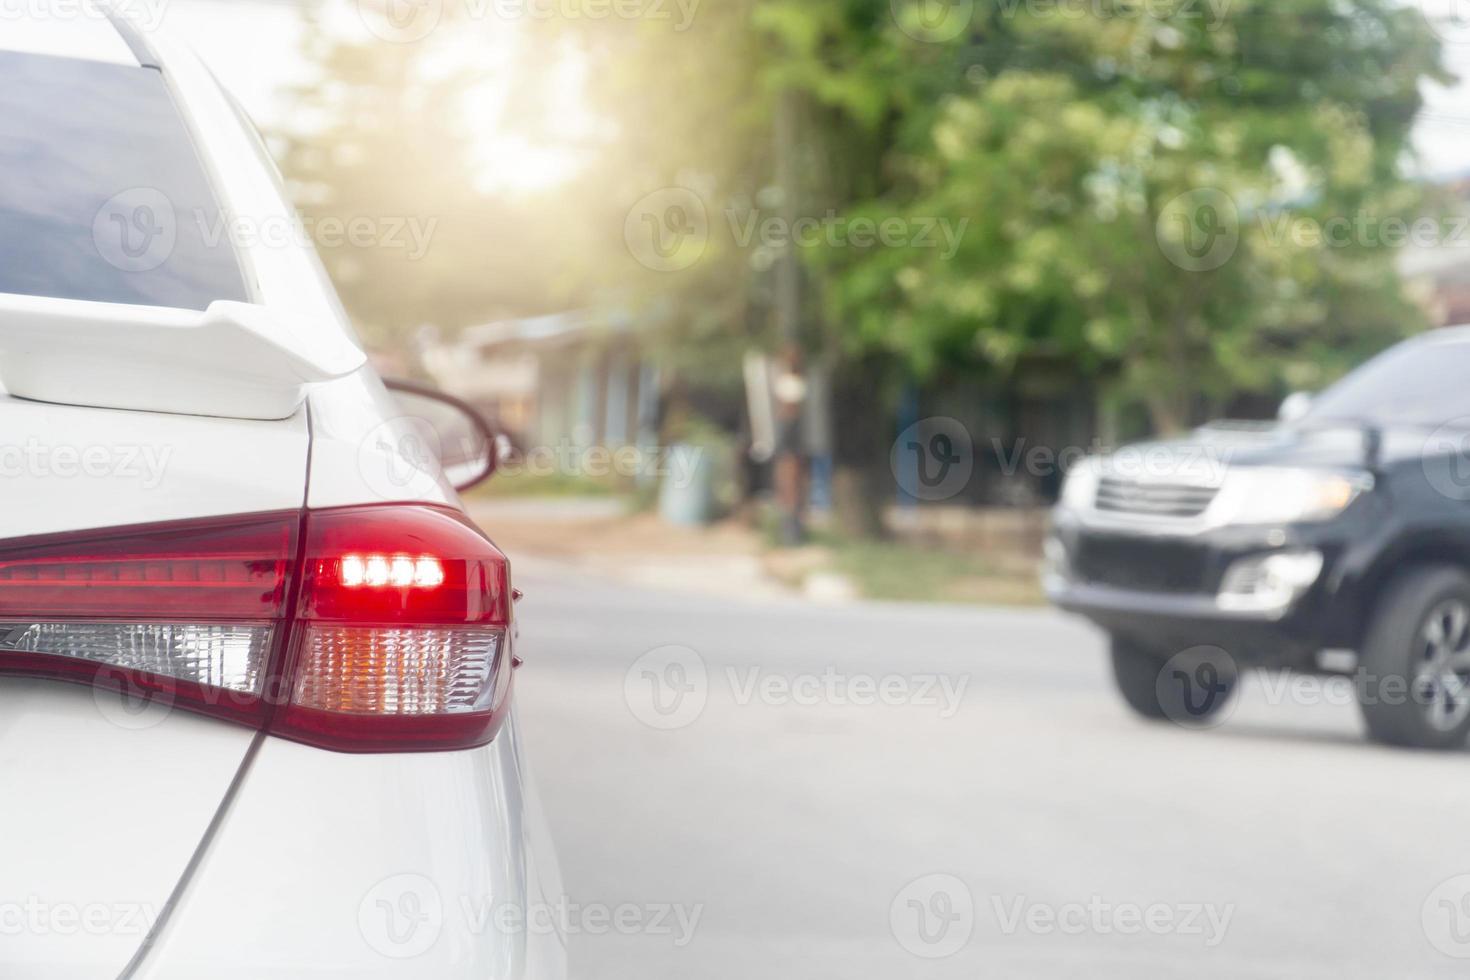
(1142, 188)
(1136, 184)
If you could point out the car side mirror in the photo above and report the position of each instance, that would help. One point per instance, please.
(1294, 406)
(469, 448)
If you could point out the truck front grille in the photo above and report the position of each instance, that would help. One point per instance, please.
(1141, 564)
(1120, 495)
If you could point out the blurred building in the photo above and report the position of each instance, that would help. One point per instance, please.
(1439, 276)
(575, 378)
(1440, 281)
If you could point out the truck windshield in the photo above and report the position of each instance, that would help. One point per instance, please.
(1421, 383)
(104, 197)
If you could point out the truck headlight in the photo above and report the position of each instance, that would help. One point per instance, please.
(1056, 569)
(1079, 489)
(1271, 495)
(1269, 583)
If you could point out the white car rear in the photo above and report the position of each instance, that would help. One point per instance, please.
(255, 665)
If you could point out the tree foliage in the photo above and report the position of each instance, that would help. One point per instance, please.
(1181, 198)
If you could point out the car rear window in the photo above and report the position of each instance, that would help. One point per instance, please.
(102, 194)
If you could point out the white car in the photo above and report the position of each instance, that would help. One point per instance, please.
(255, 662)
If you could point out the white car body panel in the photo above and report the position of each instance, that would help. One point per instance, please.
(65, 468)
(235, 360)
(363, 452)
(105, 804)
(104, 807)
(376, 866)
(256, 855)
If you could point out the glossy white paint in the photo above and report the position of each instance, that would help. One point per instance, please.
(369, 866)
(289, 882)
(365, 452)
(67, 468)
(234, 360)
(104, 805)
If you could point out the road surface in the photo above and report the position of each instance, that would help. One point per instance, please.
(780, 790)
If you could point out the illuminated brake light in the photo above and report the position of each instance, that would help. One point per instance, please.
(368, 629)
(402, 632)
(397, 571)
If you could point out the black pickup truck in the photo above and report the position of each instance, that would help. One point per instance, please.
(1343, 530)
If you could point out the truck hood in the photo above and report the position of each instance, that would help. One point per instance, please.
(1205, 454)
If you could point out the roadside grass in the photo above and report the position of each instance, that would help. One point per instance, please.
(912, 572)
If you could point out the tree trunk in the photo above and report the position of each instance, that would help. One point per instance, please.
(863, 484)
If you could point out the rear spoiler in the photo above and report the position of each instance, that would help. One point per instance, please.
(236, 360)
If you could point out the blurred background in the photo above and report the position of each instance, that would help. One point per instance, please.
(798, 309)
(773, 236)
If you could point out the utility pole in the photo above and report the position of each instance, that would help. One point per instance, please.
(790, 387)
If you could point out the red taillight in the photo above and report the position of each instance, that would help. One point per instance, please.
(362, 629)
(402, 631)
(236, 569)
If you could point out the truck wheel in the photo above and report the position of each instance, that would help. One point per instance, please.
(1196, 687)
(1414, 686)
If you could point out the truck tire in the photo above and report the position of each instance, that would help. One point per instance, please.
(1139, 673)
(1414, 681)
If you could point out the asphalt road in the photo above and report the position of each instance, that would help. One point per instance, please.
(794, 792)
